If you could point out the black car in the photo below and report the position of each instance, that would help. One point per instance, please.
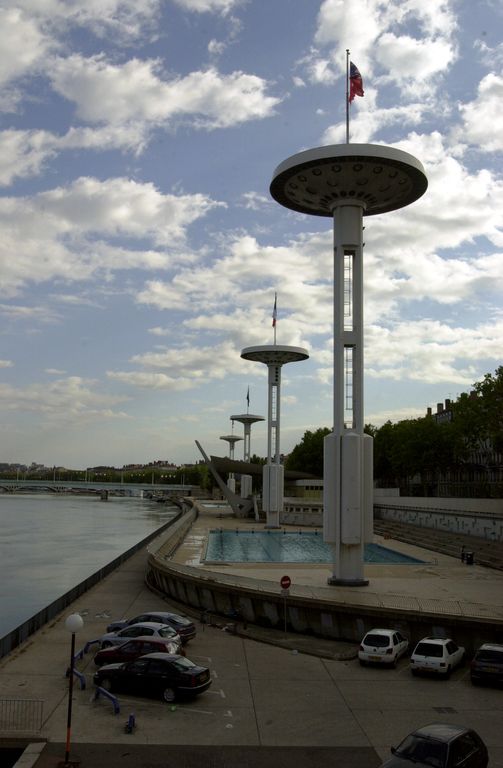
(487, 665)
(184, 627)
(439, 745)
(169, 676)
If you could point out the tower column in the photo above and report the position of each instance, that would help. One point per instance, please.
(274, 356)
(347, 182)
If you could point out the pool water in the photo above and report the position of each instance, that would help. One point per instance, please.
(287, 547)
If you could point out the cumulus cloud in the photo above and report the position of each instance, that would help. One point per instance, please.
(383, 50)
(71, 399)
(482, 119)
(22, 43)
(136, 90)
(68, 232)
(209, 6)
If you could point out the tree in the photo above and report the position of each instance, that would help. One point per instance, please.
(307, 456)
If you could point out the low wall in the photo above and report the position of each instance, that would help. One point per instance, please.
(473, 517)
(36, 622)
(340, 613)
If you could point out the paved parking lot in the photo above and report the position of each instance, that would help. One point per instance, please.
(275, 706)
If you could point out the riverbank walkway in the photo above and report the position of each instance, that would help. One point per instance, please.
(276, 698)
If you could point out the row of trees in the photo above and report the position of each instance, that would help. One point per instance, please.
(416, 454)
(197, 474)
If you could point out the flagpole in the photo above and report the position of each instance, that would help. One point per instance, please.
(347, 95)
(274, 316)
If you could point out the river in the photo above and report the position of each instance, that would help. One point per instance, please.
(50, 543)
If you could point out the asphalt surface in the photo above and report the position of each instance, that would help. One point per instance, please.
(276, 699)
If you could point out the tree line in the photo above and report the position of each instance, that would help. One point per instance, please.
(461, 452)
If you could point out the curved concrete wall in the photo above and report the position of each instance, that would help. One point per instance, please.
(347, 616)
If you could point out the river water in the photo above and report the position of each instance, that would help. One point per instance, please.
(50, 543)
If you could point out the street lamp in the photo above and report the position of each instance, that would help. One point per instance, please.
(73, 624)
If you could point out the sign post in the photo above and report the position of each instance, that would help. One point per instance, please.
(285, 583)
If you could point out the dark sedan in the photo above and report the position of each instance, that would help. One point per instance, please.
(168, 676)
(439, 745)
(132, 649)
(184, 627)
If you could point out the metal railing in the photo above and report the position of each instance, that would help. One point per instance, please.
(21, 715)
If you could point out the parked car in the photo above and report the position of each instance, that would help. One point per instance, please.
(132, 649)
(487, 665)
(383, 646)
(185, 628)
(439, 745)
(146, 629)
(436, 655)
(156, 674)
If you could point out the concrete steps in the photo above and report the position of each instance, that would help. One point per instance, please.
(487, 553)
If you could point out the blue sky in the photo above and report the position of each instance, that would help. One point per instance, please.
(140, 248)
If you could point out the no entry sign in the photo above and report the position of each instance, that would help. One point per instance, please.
(285, 582)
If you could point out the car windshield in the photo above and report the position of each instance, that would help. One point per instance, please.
(183, 664)
(183, 622)
(378, 641)
(493, 657)
(429, 649)
(167, 632)
(427, 751)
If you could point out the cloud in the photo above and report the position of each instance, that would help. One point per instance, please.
(66, 400)
(6, 364)
(430, 351)
(119, 94)
(483, 118)
(383, 50)
(65, 232)
(22, 44)
(209, 6)
(124, 19)
(187, 367)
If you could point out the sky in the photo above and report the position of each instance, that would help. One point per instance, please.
(141, 249)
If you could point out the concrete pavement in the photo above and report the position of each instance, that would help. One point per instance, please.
(285, 698)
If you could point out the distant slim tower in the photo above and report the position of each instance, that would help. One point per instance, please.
(274, 356)
(232, 440)
(246, 419)
(346, 182)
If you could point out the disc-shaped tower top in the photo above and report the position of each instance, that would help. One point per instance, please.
(381, 178)
(273, 354)
(247, 418)
(231, 439)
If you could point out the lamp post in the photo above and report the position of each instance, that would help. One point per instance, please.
(73, 624)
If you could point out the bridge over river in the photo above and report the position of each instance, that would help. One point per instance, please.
(86, 487)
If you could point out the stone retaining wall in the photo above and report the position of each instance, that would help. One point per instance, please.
(338, 613)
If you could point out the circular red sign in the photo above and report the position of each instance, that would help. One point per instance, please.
(285, 582)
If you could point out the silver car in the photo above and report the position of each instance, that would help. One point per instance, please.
(146, 629)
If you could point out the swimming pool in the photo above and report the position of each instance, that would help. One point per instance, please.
(286, 547)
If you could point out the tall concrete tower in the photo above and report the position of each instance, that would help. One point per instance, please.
(274, 356)
(346, 182)
(246, 419)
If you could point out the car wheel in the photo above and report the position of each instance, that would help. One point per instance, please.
(414, 672)
(448, 672)
(474, 681)
(106, 684)
(363, 663)
(169, 695)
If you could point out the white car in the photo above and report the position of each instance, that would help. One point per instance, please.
(146, 629)
(437, 655)
(382, 646)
